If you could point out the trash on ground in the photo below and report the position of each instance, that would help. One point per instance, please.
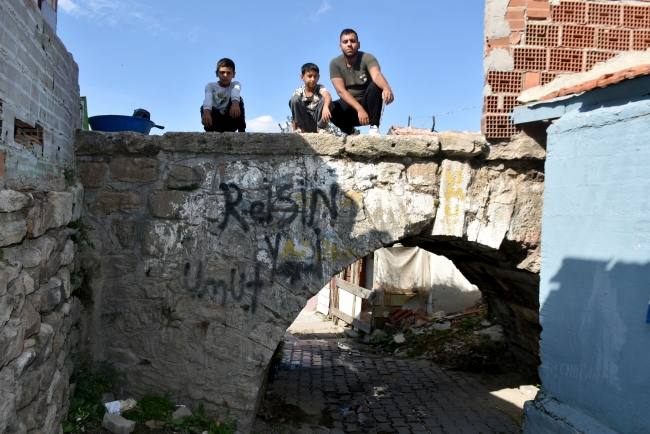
(112, 407)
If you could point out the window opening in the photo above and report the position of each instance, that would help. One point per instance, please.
(27, 135)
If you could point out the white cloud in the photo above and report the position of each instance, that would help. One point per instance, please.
(323, 8)
(111, 12)
(263, 124)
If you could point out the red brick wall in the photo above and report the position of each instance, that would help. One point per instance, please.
(546, 40)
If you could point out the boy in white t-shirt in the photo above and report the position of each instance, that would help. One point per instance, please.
(223, 107)
(310, 104)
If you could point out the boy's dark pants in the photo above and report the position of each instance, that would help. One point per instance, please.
(307, 121)
(223, 122)
(346, 118)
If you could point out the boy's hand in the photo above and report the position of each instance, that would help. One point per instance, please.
(364, 119)
(234, 109)
(206, 119)
(327, 115)
(387, 95)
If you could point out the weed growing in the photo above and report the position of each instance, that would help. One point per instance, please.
(82, 232)
(68, 175)
(92, 381)
(151, 407)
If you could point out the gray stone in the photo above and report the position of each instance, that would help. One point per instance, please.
(22, 362)
(8, 273)
(39, 217)
(124, 231)
(27, 386)
(185, 177)
(7, 410)
(422, 174)
(461, 145)
(399, 146)
(44, 341)
(78, 201)
(351, 333)
(181, 413)
(519, 147)
(169, 204)
(117, 424)
(61, 203)
(27, 416)
(13, 227)
(30, 342)
(134, 169)
(92, 174)
(399, 338)
(7, 304)
(67, 255)
(33, 253)
(11, 200)
(12, 337)
(107, 397)
(442, 326)
(110, 201)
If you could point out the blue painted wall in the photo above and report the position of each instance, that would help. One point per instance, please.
(595, 275)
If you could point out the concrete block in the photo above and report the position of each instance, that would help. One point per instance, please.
(117, 424)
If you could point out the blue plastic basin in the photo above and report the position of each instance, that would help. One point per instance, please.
(117, 123)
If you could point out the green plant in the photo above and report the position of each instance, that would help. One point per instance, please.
(82, 232)
(92, 380)
(436, 203)
(68, 175)
(151, 407)
(74, 277)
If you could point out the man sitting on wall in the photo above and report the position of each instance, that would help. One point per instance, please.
(361, 86)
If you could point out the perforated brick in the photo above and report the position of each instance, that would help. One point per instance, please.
(640, 39)
(604, 14)
(636, 16)
(505, 82)
(530, 59)
(565, 59)
(569, 12)
(543, 35)
(547, 77)
(593, 57)
(613, 39)
(491, 103)
(578, 36)
(497, 126)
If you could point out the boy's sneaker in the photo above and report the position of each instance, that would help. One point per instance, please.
(374, 131)
(355, 132)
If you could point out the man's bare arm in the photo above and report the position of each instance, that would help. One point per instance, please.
(339, 85)
(380, 81)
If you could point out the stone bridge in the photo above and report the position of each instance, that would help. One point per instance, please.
(208, 245)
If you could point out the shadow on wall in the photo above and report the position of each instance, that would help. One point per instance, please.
(595, 346)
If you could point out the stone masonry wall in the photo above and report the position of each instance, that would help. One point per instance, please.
(39, 269)
(39, 99)
(37, 313)
(208, 245)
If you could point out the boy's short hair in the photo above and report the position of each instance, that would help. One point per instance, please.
(347, 32)
(309, 67)
(226, 63)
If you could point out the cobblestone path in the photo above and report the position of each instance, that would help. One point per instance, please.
(348, 390)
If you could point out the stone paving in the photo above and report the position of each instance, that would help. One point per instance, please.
(347, 389)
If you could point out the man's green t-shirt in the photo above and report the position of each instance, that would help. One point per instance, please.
(357, 77)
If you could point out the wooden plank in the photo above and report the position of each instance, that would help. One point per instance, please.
(353, 321)
(353, 289)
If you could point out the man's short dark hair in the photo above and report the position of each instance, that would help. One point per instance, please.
(347, 32)
(226, 63)
(310, 67)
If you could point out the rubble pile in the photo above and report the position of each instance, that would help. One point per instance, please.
(465, 341)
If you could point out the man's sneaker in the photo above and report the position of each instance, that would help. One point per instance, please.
(374, 131)
(355, 132)
(297, 131)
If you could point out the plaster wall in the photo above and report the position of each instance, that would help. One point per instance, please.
(595, 345)
(39, 86)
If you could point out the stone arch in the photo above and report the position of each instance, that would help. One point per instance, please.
(208, 245)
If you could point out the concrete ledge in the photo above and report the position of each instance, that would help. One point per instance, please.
(548, 415)
(89, 143)
(461, 145)
(399, 146)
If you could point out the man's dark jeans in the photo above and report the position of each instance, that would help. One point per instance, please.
(223, 122)
(346, 118)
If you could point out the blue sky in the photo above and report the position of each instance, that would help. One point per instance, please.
(159, 54)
